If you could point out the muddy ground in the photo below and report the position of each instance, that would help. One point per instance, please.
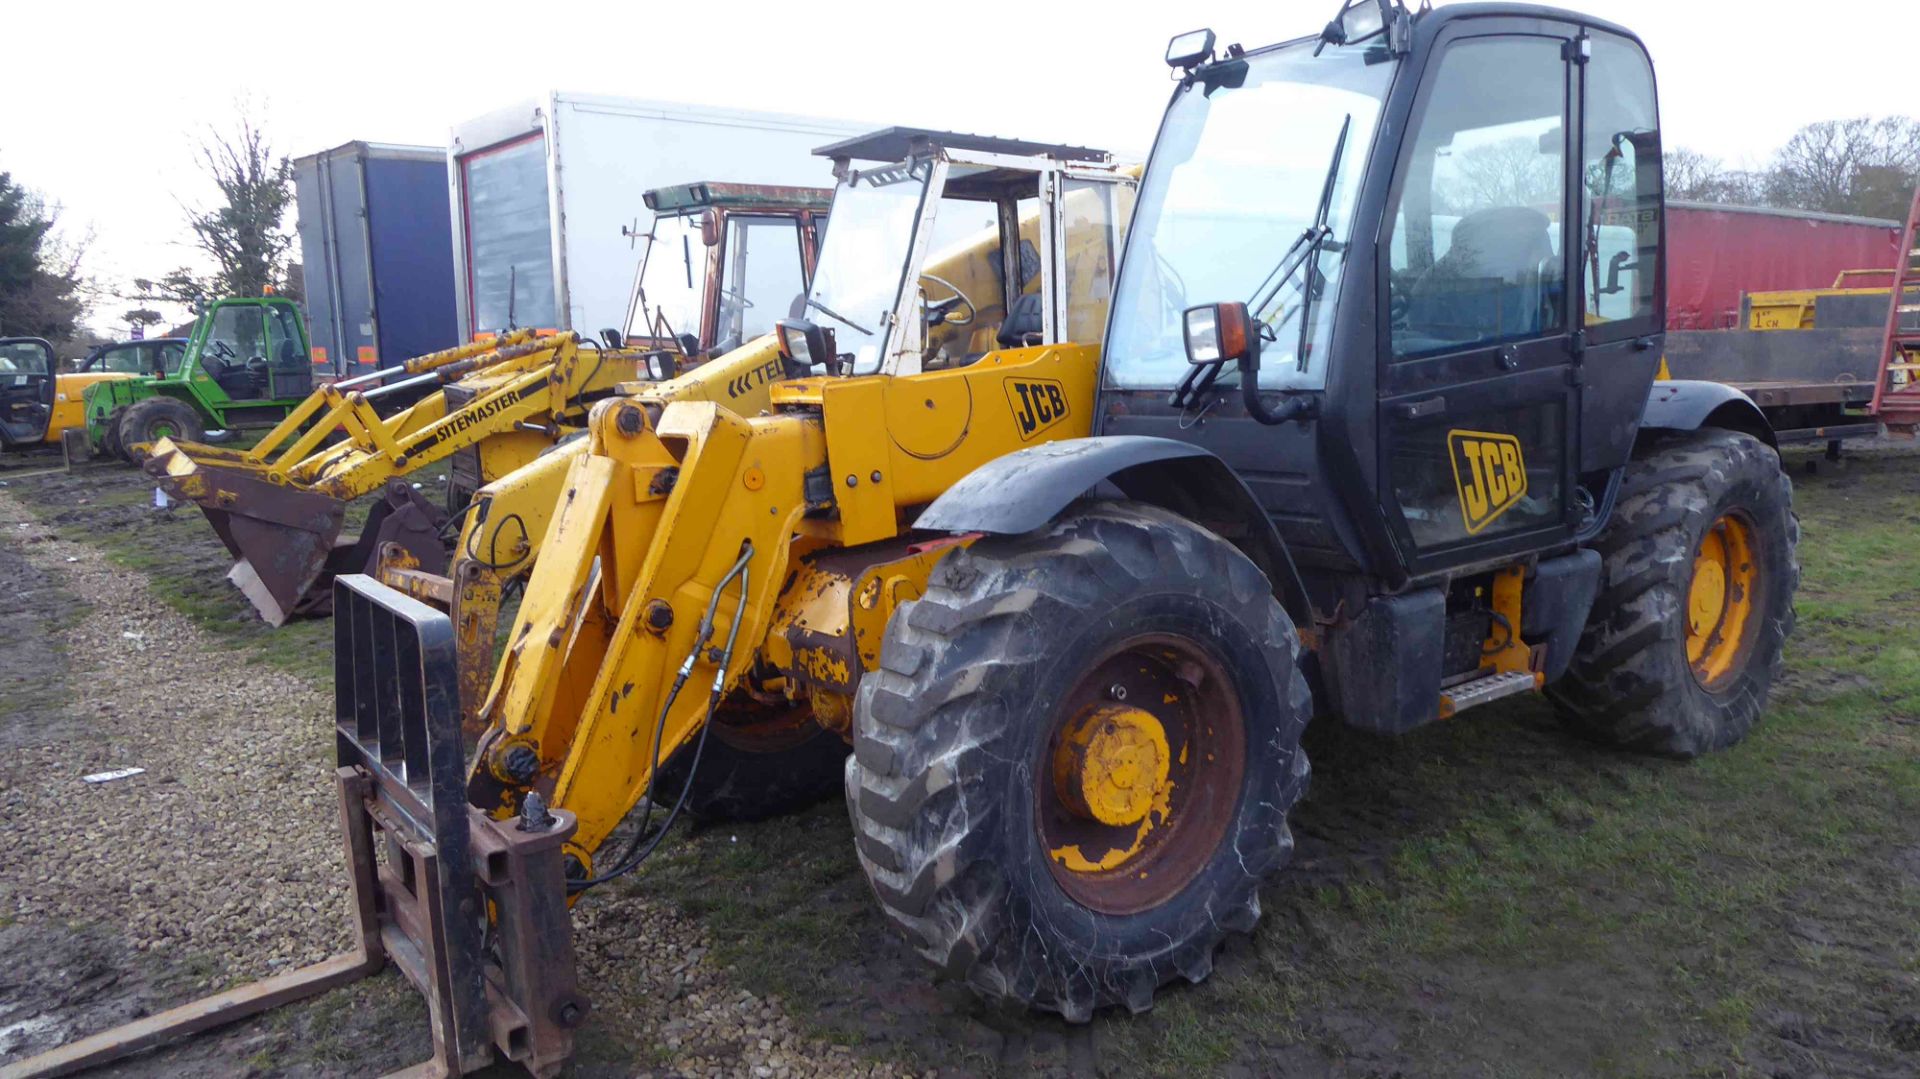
(1484, 898)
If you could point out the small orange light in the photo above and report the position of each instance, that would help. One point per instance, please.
(1234, 329)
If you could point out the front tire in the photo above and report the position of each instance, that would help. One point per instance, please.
(1073, 767)
(156, 418)
(1696, 599)
(110, 436)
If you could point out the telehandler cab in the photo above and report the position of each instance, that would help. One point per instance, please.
(487, 408)
(500, 536)
(1364, 443)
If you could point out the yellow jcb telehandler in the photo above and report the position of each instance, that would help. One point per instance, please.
(1360, 443)
(491, 406)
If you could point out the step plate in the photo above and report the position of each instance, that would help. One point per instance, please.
(1491, 688)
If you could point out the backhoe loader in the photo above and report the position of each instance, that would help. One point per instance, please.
(490, 406)
(1358, 444)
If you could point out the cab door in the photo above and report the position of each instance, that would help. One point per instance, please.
(26, 390)
(1478, 394)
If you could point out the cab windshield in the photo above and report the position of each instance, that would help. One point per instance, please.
(862, 259)
(1237, 177)
(25, 358)
(671, 287)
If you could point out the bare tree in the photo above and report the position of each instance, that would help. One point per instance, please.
(245, 236)
(1692, 176)
(1856, 166)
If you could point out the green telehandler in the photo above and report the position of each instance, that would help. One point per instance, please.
(246, 366)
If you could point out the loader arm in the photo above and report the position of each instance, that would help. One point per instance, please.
(652, 517)
(330, 405)
(283, 521)
(500, 536)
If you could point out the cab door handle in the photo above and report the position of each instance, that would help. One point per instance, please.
(1420, 410)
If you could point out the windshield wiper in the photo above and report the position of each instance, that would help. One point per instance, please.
(1313, 253)
(1307, 248)
(831, 313)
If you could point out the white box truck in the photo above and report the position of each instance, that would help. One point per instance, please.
(544, 194)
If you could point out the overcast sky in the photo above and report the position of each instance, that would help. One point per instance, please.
(103, 111)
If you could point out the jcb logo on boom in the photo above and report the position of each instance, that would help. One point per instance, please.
(1489, 471)
(1038, 403)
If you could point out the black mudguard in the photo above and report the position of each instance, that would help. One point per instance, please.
(1689, 405)
(1024, 490)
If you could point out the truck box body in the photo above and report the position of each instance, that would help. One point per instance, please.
(542, 191)
(375, 243)
(1716, 254)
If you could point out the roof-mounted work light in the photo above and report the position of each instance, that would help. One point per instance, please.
(1191, 49)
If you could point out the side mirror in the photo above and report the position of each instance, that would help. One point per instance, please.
(1218, 333)
(660, 366)
(710, 229)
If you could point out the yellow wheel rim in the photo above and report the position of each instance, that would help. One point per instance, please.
(1112, 764)
(1721, 602)
(1140, 776)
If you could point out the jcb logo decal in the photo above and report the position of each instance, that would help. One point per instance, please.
(1038, 403)
(1490, 473)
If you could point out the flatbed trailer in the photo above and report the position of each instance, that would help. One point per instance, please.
(1814, 385)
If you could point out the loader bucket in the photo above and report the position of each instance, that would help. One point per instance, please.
(287, 541)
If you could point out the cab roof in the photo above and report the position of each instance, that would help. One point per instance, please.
(900, 143)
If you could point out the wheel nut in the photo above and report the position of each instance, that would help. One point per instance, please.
(1117, 691)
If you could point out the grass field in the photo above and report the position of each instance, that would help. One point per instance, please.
(1484, 897)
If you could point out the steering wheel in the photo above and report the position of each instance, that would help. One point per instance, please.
(740, 301)
(223, 350)
(940, 312)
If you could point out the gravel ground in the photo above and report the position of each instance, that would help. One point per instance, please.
(222, 858)
(227, 845)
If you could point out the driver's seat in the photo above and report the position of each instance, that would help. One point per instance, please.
(1025, 323)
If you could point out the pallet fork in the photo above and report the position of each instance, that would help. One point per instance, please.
(471, 909)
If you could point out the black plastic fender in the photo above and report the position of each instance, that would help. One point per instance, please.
(1024, 490)
(1689, 405)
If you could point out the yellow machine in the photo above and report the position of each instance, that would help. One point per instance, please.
(1793, 309)
(496, 405)
(1058, 596)
(501, 535)
(280, 507)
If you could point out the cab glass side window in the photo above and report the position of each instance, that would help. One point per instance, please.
(963, 259)
(124, 360)
(1620, 166)
(1476, 250)
(1094, 222)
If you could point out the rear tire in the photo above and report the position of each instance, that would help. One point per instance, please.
(1696, 599)
(990, 683)
(156, 418)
